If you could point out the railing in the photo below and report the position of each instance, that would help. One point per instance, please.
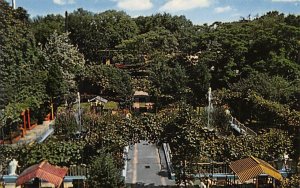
(75, 170)
(42, 137)
(241, 128)
(167, 152)
(38, 136)
(208, 169)
(125, 158)
(222, 168)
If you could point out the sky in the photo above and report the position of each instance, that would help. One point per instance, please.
(198, 11)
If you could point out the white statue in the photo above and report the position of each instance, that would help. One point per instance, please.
(128, 116)
(202, 185)
(12, 167)
(285, 162)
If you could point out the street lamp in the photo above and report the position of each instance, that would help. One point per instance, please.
(79, 112)
(13, 3)
(209, 108)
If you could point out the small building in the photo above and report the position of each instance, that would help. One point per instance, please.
(141, 102)
(46, 175)
(97, 104)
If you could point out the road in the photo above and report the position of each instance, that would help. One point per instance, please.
(146, 166)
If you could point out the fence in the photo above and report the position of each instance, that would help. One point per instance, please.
(75, 170)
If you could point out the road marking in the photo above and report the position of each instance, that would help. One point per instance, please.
(134, 163)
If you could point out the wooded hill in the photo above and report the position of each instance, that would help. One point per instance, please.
(253, 63)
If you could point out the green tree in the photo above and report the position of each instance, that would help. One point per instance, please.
(169, 84)
(172, 23)
(199, 80)
(95, 33)
(64, 63)
(44, 27)
(106, 81)
(157, 41)
(22, 80)
(104, 173)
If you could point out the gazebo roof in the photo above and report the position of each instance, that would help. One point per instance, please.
(98, 98)
(251, 167)
(45, 171)
(140, 93)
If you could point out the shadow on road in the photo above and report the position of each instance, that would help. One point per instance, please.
(163, 174)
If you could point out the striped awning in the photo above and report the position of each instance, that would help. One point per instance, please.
(44, 171)
(251, 167)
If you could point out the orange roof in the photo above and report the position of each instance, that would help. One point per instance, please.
(44, 171)
(251, 167)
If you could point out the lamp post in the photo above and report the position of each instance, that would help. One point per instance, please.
(79, 112)
(209, 108)
(13, 3)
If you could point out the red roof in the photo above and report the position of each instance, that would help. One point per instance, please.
(44, 171)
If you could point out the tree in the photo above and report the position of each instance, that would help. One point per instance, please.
(274, 88)
(106, 81)
(44, 27)
(169, 84)
(22, 81)
(157, 41)
(199, 79)
(172, 23)
(237, 49)
(64, 63)
(104, 173)
(95, 33)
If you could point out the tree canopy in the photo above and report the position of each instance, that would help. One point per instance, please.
(252, 65)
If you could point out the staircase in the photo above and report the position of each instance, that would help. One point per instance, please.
(241, 128)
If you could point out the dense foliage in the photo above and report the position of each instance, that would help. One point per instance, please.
(253, 65)
(104, 173)
(22, 80)
(105, 80)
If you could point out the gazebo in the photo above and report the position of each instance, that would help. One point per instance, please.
(252, 167)
(44, 171)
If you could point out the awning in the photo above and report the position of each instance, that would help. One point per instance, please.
(251, 167)
(44, 171)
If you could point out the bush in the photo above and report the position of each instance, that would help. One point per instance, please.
(104, 172)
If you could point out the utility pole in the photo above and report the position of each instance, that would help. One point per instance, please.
(66, 21)
(13, 3)
(79, 112)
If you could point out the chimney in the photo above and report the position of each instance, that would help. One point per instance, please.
(13, 4)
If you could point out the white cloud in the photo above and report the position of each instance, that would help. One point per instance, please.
(63, 2)
(178, 5)
(134, 4)
(222, 9)
(286, 0)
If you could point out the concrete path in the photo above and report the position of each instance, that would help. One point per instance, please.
(146, 166)
(36, 133)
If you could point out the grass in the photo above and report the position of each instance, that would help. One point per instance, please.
(111, 105)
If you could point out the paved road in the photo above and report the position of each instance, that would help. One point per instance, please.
(146, 166)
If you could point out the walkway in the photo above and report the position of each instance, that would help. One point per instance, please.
(146, 166)
(38, 133)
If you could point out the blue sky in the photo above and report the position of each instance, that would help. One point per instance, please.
(199, 11)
